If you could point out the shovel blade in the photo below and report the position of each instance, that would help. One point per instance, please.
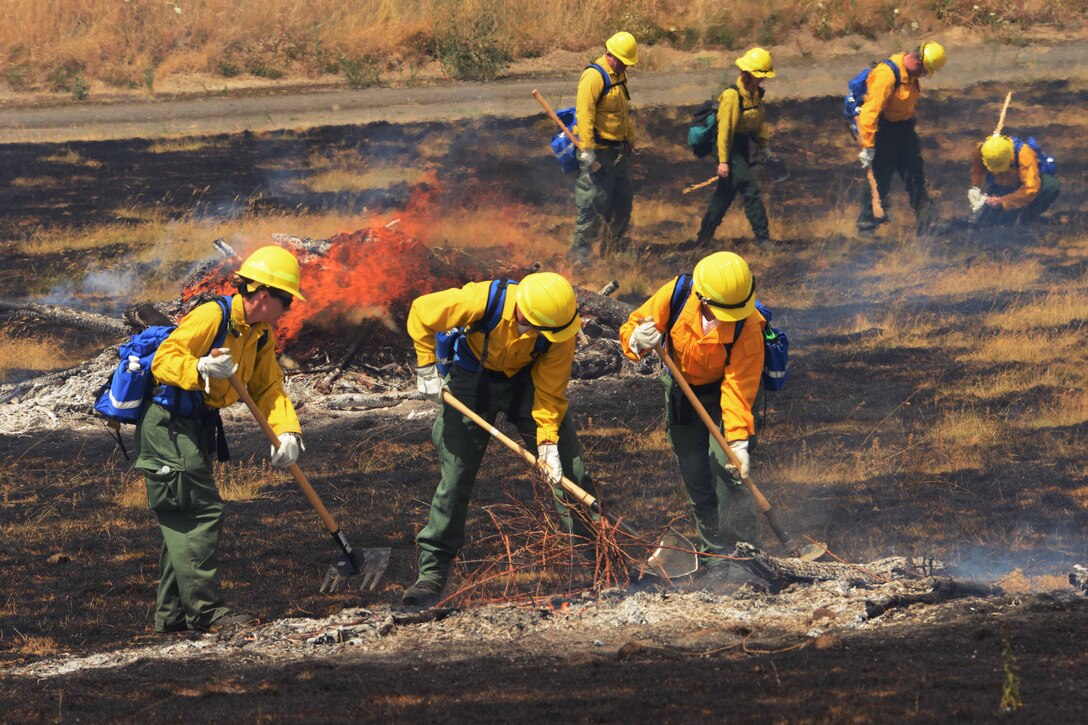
(368, 564)
(674, 557)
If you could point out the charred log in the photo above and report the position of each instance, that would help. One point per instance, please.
(66, 316)
(785, 571)
(597, 358)
(943, 590)
(606, 310)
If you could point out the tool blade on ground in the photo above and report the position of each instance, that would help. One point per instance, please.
(811, 552)
(674, 557)
(368, 564)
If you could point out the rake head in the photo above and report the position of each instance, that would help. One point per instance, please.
(369, 564)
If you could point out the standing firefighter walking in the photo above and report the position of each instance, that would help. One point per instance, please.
(180, 430)
(603, 192)
(709, 324)
(740, 125)
(523, 332)
(887, 134)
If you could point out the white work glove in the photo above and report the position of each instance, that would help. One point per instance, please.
(587, 156)
(976, 199)
(290, 448)
(430, 382)
(740, 449)
(866, 157)
(220, 367)
(644, 337)
(547, 456)
(765, 155)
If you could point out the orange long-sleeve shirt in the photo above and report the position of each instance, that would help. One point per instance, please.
(508, 350)
(883, 99)
(610, 119)
(175, 362)
(1024, 175)
(701, 357)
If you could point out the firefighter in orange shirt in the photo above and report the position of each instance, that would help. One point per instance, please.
(715, 334)
(1010, 182)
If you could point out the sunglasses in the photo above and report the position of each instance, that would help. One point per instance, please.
(285, 298)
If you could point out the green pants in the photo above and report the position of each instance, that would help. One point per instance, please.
(742, 180)
(175, 456)
(897, 151)
(461, 445)
(605, 195)
(995, 216)
(724, 510)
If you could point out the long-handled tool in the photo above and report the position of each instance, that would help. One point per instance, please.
(552, 115)
(809, 552)
(877, 205)
(370, 564)
(674, 556)
(700, 185)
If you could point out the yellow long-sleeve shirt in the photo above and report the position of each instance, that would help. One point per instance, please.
(883, 99)
(701, 356)
(740, 112)
(508, 350)
(1024, 175)
(175, 362)
(610, 119)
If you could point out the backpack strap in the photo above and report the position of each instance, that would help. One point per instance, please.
(740, 97)
(608, 84)
(895, 70)
(496, 301)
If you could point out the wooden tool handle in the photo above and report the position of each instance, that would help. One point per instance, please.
(300, 477)
(551, 114)
(1001, 118)
(700, 185)
(583, 496)
(878, 206)
(678, 378)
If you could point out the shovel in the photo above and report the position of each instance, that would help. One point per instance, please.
(369, 563)
(809, 552)
(673, 557)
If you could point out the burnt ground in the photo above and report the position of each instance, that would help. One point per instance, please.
(80, 570)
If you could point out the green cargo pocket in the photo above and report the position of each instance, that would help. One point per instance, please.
(163, 490)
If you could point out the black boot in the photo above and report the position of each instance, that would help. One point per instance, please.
(424, 593)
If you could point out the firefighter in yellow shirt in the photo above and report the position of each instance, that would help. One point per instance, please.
(603, 192)
(527, 358)
(886, 132)
(740, 125)
(1008, 182)
(180, 430)
(716, 339)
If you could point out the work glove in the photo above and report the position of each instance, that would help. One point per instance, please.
(430, 382)
(765, 155)
(740, 449)
(977, 200)
(587, 157)
(866, 157)
(644, 337)
(547, 456)
(220, 367)
(288, 452)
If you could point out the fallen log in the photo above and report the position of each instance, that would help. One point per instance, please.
(606, 310)
(782, 572)
(66, 316)
(943, 590)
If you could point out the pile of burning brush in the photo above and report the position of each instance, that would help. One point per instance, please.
(346, 344)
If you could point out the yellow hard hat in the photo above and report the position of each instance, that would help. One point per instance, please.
(547, 301)
(724, 282)
(997, 153)
(623, 46)
(275, 267)
(932, 55)
(758, 62)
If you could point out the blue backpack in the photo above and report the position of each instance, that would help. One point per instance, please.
(1047, 164)
(776, 345)
(452, 348)
(565, 152)
(858, 88)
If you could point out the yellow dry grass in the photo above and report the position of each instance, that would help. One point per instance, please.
(72, 158)
(348, 181)
(30, 355)
(188, 144)
(237, 481)
(1053, 309)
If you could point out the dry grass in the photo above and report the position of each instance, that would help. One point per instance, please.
(63, 44)
(31, 355)
(236, 482)
(71, 157)
(350, 181)
(189, 144)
